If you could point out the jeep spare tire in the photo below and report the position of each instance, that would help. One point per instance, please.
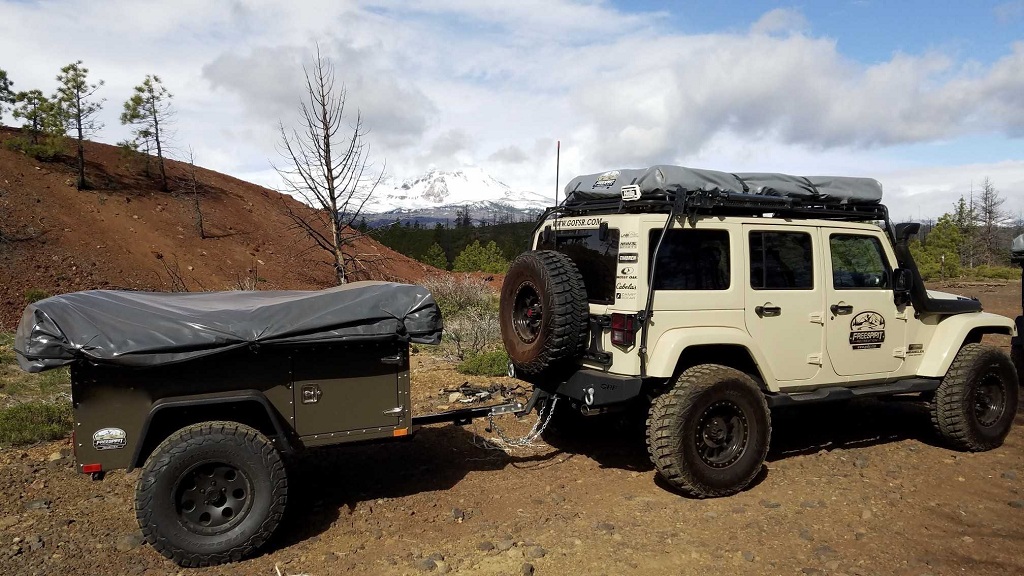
(544, 312)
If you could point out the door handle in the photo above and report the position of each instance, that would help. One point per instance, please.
(768, 309)
(394, 411)
(838, 309)
(395, 359)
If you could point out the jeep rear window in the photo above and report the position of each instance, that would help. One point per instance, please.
(595, 258)
(781, 261)
(691, 260)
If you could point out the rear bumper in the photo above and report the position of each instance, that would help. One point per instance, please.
(596, 389)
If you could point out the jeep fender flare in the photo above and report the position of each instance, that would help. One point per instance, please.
(672, 343)
(172, 403)
(951, 334)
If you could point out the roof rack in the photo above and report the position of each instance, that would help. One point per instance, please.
(721, 203)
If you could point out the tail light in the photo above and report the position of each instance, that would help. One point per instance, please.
(624, 328)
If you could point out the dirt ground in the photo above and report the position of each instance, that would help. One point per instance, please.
(859, 489)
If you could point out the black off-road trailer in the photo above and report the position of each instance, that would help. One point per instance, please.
(206, 392)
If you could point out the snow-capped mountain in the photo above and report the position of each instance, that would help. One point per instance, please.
(437, 190)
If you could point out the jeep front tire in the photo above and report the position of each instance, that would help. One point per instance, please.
(976, 402)
(708, 435)
(544, 312)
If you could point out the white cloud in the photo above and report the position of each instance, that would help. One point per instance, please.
(452, 83)
(780, 20)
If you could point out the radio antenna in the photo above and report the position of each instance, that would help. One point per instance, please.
(558, 161)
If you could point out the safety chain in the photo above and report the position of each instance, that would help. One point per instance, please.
(503, 442)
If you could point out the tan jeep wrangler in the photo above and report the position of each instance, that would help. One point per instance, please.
(716, 297)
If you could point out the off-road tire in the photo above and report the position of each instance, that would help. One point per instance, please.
(559, 335)
(678, 416)
(180, 458)
(961, 412)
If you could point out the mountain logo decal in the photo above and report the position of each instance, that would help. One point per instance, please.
(867, 330)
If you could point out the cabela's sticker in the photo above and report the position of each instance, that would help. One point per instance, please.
(109, 439)
(867, 330)
(629, 258)
(606, 180)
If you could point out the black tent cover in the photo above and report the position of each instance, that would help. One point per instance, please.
(140, 329)
(665, 179)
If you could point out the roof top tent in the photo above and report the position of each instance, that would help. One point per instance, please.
(663, 188)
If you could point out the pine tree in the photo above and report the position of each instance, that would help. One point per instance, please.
(74, 97)
(6, 93)
(435, 257)
(478, 258)
(149, 110)
(43, 123)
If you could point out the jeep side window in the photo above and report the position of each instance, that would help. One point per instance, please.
(691, 260)
(857, 262)
(781, 261)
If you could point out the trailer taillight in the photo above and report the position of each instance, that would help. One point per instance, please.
(624, 329)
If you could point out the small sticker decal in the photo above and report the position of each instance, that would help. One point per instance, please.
(915, 349)
(606, 180)
(867, 330)
(629, 258)
(109, 439)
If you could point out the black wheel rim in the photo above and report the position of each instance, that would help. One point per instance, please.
(527, 312)
(989, 400)
(212, 497)
(722, 434)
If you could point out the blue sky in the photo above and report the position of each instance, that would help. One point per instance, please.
(927, 97)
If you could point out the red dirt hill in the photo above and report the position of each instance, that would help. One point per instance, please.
(125, 233)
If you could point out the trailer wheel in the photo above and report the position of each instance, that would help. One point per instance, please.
(976, 402)
(543, 312)
(211, 493)
(708, 435)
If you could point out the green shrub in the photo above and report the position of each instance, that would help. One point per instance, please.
(35, 295)
(489, 363)
(34, 422)
(987, 272)
(470, 310)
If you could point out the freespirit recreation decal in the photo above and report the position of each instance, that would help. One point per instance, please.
(867, 330)
(109, 439)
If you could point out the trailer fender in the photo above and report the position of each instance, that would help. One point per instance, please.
(955, 331)
(251, 399)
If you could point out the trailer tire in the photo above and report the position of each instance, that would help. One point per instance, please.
(976, 402)
(708, 434)
(544, 312)
(241, 479)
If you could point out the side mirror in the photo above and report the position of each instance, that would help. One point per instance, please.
(902, 280)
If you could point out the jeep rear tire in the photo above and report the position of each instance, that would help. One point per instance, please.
(976, 402)
(544, 312)
(211, 493)
(708, 435)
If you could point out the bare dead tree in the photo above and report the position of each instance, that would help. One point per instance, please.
(193, 187)
(991, 216)
(328, 168)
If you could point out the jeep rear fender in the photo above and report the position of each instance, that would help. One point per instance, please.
(953, 332)
(672, 344)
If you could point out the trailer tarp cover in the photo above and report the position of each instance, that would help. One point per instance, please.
(150, 329)
(672, 180)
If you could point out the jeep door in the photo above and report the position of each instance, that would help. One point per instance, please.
(785, 298)
(866, 330)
